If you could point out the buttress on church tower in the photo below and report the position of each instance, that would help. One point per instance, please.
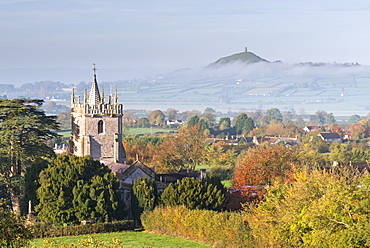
(97, 126)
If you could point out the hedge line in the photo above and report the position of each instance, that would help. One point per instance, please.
(44, 230)
(220, 229)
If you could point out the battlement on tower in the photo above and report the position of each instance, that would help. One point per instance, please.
(98, 109)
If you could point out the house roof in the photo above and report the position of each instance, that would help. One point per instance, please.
(173, 177)
(330, 135)
(311, 128)
(116, 167)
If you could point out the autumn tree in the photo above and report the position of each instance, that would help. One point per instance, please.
(319, 209)
(335, 128)
(260, 167)
(140, 147)
(185, 150)
(338, 152)
(23, 129)
(156, 117)
(358, 131)
(224, 123)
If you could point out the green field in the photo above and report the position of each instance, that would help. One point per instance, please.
(135, 130)
(126, 239)
(65, 133)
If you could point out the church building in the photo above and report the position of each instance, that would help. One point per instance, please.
(97, 132)
(97, 126)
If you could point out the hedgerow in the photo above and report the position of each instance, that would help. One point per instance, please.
(44, 230)
(220, 229)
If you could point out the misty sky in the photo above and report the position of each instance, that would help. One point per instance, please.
(138, 37)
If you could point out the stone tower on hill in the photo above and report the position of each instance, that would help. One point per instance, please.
(97, 126)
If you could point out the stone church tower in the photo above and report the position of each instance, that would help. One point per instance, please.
(97, 126)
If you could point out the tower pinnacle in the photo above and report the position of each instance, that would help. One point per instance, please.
(94, 97)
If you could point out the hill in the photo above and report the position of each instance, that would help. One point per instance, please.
(245, 57)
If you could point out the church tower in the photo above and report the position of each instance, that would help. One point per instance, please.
(97, 126)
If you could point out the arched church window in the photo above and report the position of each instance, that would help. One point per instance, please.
(100, 127)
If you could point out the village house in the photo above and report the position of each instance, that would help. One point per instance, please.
(330, 137)
(288, 141)
(311, 128)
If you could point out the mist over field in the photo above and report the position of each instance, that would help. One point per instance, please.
(235, 86)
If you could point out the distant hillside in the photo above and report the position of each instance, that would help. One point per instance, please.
(246, 57)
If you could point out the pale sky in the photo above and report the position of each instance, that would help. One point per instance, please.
(142, 37)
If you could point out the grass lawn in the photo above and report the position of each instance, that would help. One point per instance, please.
(127, 239)
(65, 133)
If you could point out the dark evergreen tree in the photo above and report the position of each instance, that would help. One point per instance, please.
(75, 188)
(239, 123)
(31, 182)
(144, 196)
(194, 194)
(23, 129)
(243, 124)
(193, 120)
(203, 123)
(143, 122)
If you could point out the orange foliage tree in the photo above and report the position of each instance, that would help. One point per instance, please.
(144, 151)
(260, 167)
(185, 150)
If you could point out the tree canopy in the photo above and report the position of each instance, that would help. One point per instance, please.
(75, 188)
(260, 167)
(156, 117)
(144, 195)
(182, 151)
(243, 124)
(23, 129)
(195, 194)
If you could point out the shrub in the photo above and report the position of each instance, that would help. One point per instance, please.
(220, 229)
(194, 194)
(13, 232)
(43, 230)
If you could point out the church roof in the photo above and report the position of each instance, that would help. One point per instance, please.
(94, 97)
(122, 171)
(116, 167)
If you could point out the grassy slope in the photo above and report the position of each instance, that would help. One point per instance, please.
(247, 57)
(128, 239)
